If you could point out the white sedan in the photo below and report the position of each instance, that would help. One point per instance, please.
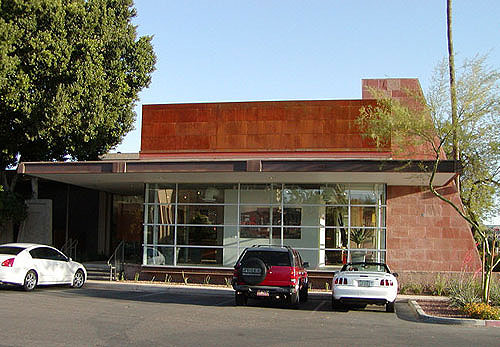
(362, 283)
(29, 265)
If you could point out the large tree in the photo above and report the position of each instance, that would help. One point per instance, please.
(432, 127)
(70, 74)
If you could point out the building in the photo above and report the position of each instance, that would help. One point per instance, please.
(213, 178)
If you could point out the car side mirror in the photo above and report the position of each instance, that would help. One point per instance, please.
(395, 274)
(305, 264)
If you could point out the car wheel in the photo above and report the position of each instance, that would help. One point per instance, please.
(240, 299)
(336, 304)
(30, 281)
(78, 279)
(389, 307)
(304, 293)
(294, 299)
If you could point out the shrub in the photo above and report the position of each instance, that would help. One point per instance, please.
(411, 287)
(464, 291)
(481, 311)
(495, 293)
(440, 286)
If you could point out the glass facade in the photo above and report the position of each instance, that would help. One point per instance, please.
(211, 224)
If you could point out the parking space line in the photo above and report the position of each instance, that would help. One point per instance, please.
(321, 304)
(224, 302)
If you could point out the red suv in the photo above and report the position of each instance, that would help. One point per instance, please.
(270, 272)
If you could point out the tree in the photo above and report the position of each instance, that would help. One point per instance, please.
(70, 74)
(427, 123)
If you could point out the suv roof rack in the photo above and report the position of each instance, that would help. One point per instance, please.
(272, 246)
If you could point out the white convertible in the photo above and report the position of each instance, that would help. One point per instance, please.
(29, 265)
(362, 283)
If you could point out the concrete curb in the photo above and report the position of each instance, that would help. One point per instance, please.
(422, 316)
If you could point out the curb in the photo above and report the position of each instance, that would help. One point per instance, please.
(422, 316)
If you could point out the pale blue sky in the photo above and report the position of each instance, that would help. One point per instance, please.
(209, 51)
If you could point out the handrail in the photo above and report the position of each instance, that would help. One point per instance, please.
(69, 248)
(116, 264)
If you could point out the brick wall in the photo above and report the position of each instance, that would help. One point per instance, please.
(426, 234)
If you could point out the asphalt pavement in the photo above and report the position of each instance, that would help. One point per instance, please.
(132, 314)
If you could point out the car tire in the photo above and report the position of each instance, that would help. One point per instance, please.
(30, 281)
(240, 299)
(294, 300)
(390, 307)
(257, 274)
(336, 304)
(78, 279)
(304, 293)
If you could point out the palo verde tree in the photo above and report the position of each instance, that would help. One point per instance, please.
(70, 74)
(474, 132)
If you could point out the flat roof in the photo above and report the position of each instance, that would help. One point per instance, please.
(127, 177)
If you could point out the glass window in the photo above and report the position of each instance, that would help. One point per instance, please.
(254, 232)
(363, 195)
(204, 193)
(336, 216)
(200, 214)
(335, 194)
(302, 194)
(10, 250)
(363, 216)
(260, 194)
(269, 258)
(199, 256)
(159, 255)
(160, 234)
(255, 215)
(200, 235)
(363, 238)
(335, 257)
(336, 237)
(161, 193)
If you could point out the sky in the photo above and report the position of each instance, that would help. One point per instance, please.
(235, 50)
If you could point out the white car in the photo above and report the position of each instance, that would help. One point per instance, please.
(29, 265)
(363, 283)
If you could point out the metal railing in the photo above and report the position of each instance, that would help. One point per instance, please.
(69, 248)
(116, 261)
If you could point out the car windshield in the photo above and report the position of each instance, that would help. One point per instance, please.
(370, 267)
(269, 258)
(10, 250)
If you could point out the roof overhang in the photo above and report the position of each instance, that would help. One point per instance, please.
(128, 176)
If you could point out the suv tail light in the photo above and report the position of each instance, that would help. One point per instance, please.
(8, 262)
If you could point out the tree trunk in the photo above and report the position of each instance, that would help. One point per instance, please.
(453, 88)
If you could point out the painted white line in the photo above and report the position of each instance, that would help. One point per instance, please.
(224, 302)
(321, 304)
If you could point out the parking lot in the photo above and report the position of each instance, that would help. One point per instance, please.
(121, 314)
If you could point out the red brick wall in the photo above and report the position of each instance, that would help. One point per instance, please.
(273, 126)
(426, 234)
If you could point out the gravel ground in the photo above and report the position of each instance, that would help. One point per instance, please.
(440, 308)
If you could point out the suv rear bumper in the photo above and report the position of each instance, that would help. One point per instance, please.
(253, 291)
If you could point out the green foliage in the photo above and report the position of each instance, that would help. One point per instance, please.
(424, 126)
(12, 207)
(495, 293)
(360, 235)
(464, 291)
(70, 73)
(481, 311)
(411, 287)
(440, 286)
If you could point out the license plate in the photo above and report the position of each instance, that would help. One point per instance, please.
(262, 293)
(364, 283)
